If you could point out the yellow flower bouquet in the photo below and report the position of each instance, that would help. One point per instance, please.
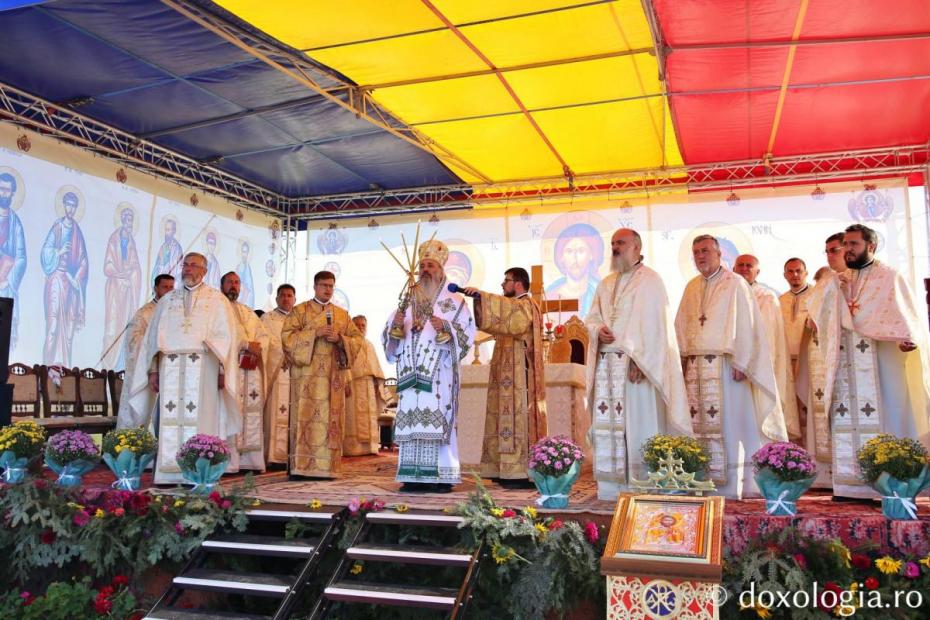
(127, 452)
(692, 453)
(20, 443)
(898, 469)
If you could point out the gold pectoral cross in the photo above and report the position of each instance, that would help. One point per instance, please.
(186, 325)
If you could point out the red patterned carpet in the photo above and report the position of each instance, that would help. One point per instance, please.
(855, 523)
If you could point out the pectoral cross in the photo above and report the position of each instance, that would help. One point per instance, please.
(702, 318)
(853, 307)
(186, 325)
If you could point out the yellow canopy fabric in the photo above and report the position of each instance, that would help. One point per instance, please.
(515, 88)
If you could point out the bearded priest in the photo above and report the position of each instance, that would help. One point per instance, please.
(876, 357)
(634, 384)
(428, 340)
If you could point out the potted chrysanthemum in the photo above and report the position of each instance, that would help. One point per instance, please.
(897, 468)
(127, 452)
(20, 443)
(71, 454)
(203, 459)
(555, 463)
(783, 472)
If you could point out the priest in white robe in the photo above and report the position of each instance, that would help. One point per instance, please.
(428, 340)
(729, 378)
(190, 342)
(766, 297)
(250, 375)
(872, 334)
(277, 371)
(634, 384)
(132, 342)
(793, 305)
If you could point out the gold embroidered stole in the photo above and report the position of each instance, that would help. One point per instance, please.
(609, 416)
(704, 385)
(856, 410)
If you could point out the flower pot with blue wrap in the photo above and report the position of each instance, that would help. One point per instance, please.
(20, 444)
(71, 454)
(898, 469)
(203, 460)
(127, 452)
(783, 472)
(555, 464)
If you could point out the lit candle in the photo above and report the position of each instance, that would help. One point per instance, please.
(560, 309)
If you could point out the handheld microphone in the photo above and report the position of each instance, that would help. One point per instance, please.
(455, 288)
(329, 318)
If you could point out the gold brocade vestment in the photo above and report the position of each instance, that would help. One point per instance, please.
(318, 386)
(516, 410)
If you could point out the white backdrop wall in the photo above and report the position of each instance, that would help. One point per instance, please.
(44, 176)
(571, 241)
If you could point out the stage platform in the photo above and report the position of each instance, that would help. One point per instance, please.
(856, 523)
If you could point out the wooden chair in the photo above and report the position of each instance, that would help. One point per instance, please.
(62, 407)
(572, 345)
(92, 392)
(60, 396)
(27, 397)
(386, 418)
(115, 381)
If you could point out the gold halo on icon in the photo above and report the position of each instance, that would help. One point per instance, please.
(596, 221)
(60, 209)
(20, 194)
(118, 216)
(206, 232)
(454, 267)
(730, 237)
(160, 233)
(239, 243)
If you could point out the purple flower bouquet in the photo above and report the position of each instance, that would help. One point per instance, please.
(555, 463)
(71, 454)
(203, 459)
(783, 472)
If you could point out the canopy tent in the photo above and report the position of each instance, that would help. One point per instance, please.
(338, 106)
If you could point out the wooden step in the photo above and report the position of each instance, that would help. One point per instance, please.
(251, 544)
(427, 519)
(387, 594)
(257, 584)
(169, 613)
(287, 515)
(409, 554)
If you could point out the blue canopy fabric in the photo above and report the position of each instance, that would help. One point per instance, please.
(145, 69)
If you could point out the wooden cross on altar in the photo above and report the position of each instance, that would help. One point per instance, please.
(548, 305)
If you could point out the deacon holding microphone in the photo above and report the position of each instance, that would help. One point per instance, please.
(516, 411)
(320, 342)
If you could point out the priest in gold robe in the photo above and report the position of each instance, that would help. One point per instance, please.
(729, 378)
(872, 334)
(277, 371)
(132, 342)
(634, 385)
(766, 298)
(321, 343)
(189, 346)
(250, 374)
(365, 403)
(515, 417)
